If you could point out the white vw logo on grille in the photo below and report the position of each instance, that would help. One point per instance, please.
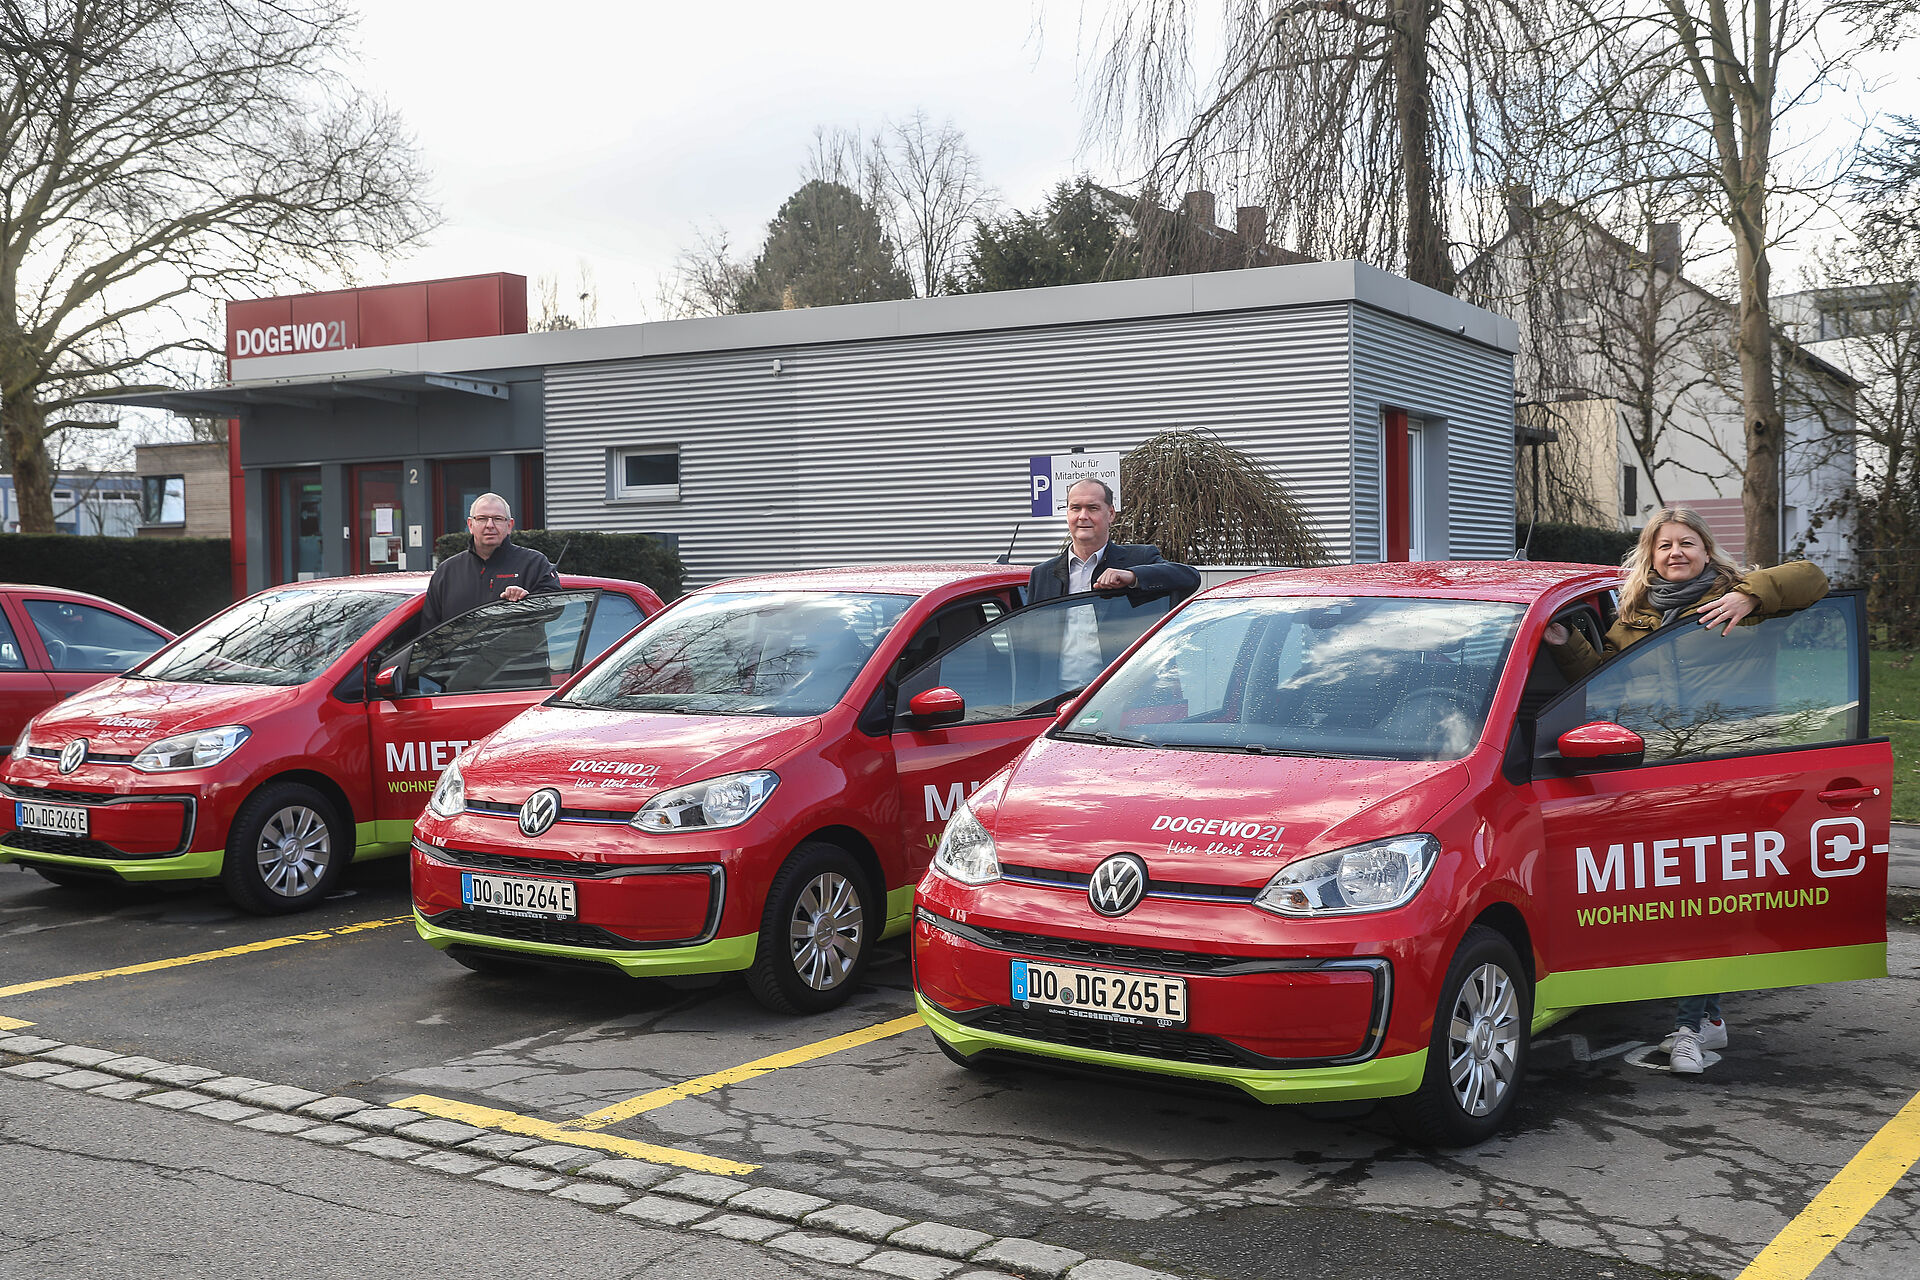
(538, 813)
(1118, 884)
(72, 754)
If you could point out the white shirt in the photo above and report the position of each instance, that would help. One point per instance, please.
(1080, 659)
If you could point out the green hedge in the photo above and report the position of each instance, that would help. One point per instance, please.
(175, 581)
(638, 557)
(1576, 543)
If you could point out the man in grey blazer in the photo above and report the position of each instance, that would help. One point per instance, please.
(1092, 563)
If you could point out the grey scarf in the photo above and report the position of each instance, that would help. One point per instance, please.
(1670, 599)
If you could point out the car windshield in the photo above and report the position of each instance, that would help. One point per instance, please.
(278, 637)
(789, 653)
(1359, 677)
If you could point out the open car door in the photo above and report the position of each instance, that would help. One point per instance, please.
(1714, 815)
(984, 698)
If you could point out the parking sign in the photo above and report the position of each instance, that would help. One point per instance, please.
(1049, 476)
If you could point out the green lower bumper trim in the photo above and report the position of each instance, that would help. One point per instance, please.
(186, 866)
(1721, 973)
(1380, 1078)
(722, 955)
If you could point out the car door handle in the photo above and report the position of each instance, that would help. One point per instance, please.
(1848, 795)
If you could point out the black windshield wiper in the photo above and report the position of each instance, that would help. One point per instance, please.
(1104, 739)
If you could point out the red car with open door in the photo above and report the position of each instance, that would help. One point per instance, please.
(252, 749)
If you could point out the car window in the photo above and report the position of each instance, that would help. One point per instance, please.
(613, 617)
(1012, 669)
(530, 643)
(1399, 679)
(80, 637)
(11, 659)
(945, 629)
(756, 653)
(1689, 691)
(282, 637)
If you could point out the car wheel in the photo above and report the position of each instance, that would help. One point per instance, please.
(1478, 1054)
(816, 933)
(285, 850)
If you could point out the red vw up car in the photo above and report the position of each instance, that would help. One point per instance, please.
(1348, 833)
(250, 749)
(752, 781)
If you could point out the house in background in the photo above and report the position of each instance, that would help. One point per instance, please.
(185, 489)
(84, 502)
(1633, 366)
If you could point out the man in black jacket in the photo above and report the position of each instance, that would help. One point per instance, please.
(494, 569)
(1093, 563)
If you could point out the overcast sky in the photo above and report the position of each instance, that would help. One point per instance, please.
(572, 131)
(579, 129)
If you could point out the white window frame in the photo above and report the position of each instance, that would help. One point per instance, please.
(618, 490)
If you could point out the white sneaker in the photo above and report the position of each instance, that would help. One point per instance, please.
(1684, 1057)
(1713, 1035)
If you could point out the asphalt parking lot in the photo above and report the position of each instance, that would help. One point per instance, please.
(1613, 1168)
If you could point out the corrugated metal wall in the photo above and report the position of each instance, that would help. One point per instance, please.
(917, 448)
(1469, 388)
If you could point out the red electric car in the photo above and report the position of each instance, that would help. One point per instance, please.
(1348, 833)
(54, 643)
(250, 749)
(752, 781)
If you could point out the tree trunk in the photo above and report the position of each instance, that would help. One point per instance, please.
(1428, 261)
(23, 429)
(1759, 393)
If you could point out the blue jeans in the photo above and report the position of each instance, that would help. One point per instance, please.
(1695, 1008)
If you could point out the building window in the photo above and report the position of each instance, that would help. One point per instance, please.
(651, 474)
(163, 499)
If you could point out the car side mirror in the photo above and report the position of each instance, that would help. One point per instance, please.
(389, 679)
(937, 706)
(1601, 746)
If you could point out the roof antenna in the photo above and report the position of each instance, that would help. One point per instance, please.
(1006, 557)
(563, 553)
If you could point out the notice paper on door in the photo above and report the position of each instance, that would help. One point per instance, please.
(378, 550)
(383, 519)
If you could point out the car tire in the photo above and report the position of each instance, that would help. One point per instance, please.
(816, 933)
(1477, 1057)
(286, 849)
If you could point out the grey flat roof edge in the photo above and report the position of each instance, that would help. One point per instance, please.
(1257, 288)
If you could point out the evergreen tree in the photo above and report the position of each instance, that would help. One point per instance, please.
(826, 246)
(1079, 237)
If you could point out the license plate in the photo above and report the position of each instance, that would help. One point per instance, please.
(1102, 994)
(535, 899)
(54, 819)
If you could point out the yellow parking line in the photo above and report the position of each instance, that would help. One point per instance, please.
(1809, 1238)
(153, 966)
(527, 1126)
(13, 1024)
(733, 1075)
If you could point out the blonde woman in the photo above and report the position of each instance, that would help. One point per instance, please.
(1676, 569)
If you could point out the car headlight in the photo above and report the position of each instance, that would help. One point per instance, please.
(194, 750)
(449, 794)
(966, 851)
(726, 801)
(20, 743)
(1368, 877)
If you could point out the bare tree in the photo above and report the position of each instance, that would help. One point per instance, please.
(580, 309)
(1745, 68)
(157, 151)
(707, 279)
(1358, 121)
(936, 197)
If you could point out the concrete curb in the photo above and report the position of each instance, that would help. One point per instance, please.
(792, 1222)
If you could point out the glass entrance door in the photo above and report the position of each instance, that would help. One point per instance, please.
(294, 526)
(459, 481)
(380, 542)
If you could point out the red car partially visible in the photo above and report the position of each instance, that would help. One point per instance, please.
(55, 642)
